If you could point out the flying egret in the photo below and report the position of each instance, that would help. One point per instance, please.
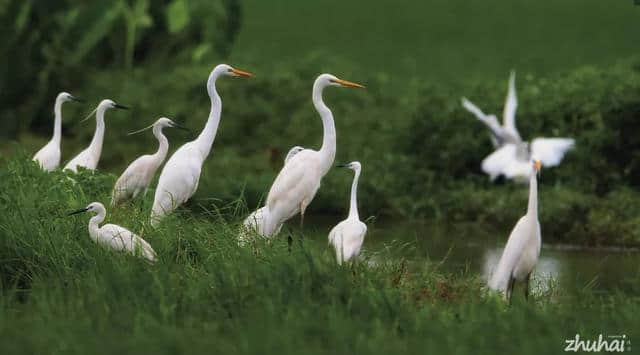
(138, 175)
(255, 221)
(299, 180)
(89, 157)
(48, 157)
(512, 154)
(347, 236)
(521, 253)
(180, 175)
(113, 236)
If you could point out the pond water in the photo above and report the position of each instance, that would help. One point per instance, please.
(477, 248)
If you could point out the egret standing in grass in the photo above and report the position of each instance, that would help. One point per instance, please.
(521, 253)
(113, 236)
(138, 175)
(90, 157)
(49, 156)
(299, 180)
(347, 236)
(255, 221)
(512, 156)
(180, 176)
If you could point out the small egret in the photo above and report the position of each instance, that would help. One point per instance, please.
(138, 175)
(299, 180)
(113, 236)
(512, 155)
(49, 156)
(180, 175)
(89, 157)
(521, 253)
(347, 236)
(255, 221)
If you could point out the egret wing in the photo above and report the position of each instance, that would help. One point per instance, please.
(550, 151)
(510, 107)
(510, 255)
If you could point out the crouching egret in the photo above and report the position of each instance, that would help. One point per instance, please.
(90, 157)
(48, 157)
(179, 177)
(299, 180)
(255, 221)
(521, 253)
(347, 236)
(115, 237)
(138, 175)
(513, 155)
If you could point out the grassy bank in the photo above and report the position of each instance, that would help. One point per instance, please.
(62, 294)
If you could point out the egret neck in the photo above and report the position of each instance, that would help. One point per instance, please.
(57, 124)
(208, 134)
(94, 224)
(96, 143)
(353, 207)
(163, 144)
(328, 149)
(532, 209)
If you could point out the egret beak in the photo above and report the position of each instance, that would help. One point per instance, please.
(140, 130)
(175, 125)
(90, 114)
(342, 166)
(122, 107)
(537, 165)
(348, 84)
(237, 72)
(77, 99)
(78, 211)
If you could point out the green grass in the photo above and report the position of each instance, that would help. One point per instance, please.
(62, 294)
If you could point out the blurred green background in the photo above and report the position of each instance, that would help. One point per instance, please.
(578, 76)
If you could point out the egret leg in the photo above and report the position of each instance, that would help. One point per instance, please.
(289, 242)
(510, 289)
(526, 287)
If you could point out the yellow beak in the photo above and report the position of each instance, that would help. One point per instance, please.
(348, 84)
(243, 73)
(537, 165)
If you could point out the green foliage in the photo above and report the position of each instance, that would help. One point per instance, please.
(62, 293)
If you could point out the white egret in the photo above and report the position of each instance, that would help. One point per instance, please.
(89, 157)
(512, 154)
(115, 237)
(347, 236)
(255, 221)
(180, 175)
(522, 250)
(138, 175)
(49, 156)
(299, 180)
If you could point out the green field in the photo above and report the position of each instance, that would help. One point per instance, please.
(578, 75)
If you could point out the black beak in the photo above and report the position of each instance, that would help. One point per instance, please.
(78, 211)
(77, 99)
(122, 107)
(342, 166)
(175, 125)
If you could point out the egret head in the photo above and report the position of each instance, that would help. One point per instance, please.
(94, 207)
(293, 151)
(325, 80)
(223, 70)
(354, 165)
(537, 165)
(161, 123)
(65, 97)
(108, 104)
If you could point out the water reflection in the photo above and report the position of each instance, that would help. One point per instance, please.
(544, 275)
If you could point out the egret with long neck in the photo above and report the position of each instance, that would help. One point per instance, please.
(299, 180)
(90, 157)
(180, 176)
(113, 236)
(522, 251)
(48, 157)
(347, 236)
(138, 175)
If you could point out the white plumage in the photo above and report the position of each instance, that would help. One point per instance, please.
(49, 156)
(347, 236)
(180, 176)
(522, 250)
(90, 157)
(299, 180)
(115, 237)
(138, 175)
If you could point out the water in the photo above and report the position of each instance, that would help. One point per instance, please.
(477, 248)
